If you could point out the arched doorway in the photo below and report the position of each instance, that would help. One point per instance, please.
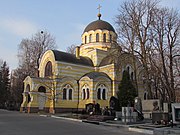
(41, 97)
(28, 98)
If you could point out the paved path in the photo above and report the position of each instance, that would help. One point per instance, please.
(15, 123)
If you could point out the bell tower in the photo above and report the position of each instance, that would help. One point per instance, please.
(97, 39)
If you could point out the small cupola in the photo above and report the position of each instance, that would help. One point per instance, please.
(99, 31)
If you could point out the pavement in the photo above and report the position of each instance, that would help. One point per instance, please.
(145, 127)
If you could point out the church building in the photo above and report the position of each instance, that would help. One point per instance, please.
(68, 82)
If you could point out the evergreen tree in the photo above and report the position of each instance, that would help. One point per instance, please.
(127, 91)
(1, 90)
(4, 85)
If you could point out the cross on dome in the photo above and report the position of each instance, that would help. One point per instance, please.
(99, 14)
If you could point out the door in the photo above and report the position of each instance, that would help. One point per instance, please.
(41, 100)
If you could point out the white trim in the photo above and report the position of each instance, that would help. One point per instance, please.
(101, 87)
(85, 87)
(68, 87)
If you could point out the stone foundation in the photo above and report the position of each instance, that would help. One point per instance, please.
(48, 110)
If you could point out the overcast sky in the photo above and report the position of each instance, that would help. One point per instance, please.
(64, 19)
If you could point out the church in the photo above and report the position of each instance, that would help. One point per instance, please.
(68, 82)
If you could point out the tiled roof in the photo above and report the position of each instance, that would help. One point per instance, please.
(71, 58)
(93, 75)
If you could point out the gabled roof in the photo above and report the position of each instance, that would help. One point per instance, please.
(93, 75)
(71, 58)
(107, 61)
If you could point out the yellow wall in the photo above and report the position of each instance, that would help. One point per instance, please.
(74, 75)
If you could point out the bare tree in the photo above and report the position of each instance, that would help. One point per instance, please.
(31, 50)
(71, 49)
(152, 33)
(16, 90)
(166, 29)
(134, 29)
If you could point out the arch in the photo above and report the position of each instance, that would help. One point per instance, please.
(97, 37)
(102, 92)
(41, 97)
(128, 69)
(90, 38)
(67, 92)
(85, 92)
(104, 37)
(42, 89)
(48, 69)
(27, 88)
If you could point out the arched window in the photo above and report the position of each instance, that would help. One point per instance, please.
(42, 89)
(132, 76)
(85, 40)
(64, 94)
(90, 38)
(101, 92)
(27, 90)
(85, 92)
(67, 92)
(128, 69)
(48, 69)
(110, 38)
(104, 37)
(70, 94)
(97, 37)
(145, 96)
(104, 94)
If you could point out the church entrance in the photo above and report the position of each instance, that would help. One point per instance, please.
(41, 98)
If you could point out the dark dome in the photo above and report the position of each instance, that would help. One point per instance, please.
(99, 24)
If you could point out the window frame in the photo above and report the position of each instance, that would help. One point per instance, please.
(97, 37)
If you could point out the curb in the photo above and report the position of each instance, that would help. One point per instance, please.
(145, 131)
(91, 122)
(113, 125)
(128, 127)
(63, 118)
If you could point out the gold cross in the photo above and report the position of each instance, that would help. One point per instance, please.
(99, 8)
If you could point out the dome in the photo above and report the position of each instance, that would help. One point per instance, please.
(99, 24)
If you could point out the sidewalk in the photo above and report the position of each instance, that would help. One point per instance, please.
(145, 127)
